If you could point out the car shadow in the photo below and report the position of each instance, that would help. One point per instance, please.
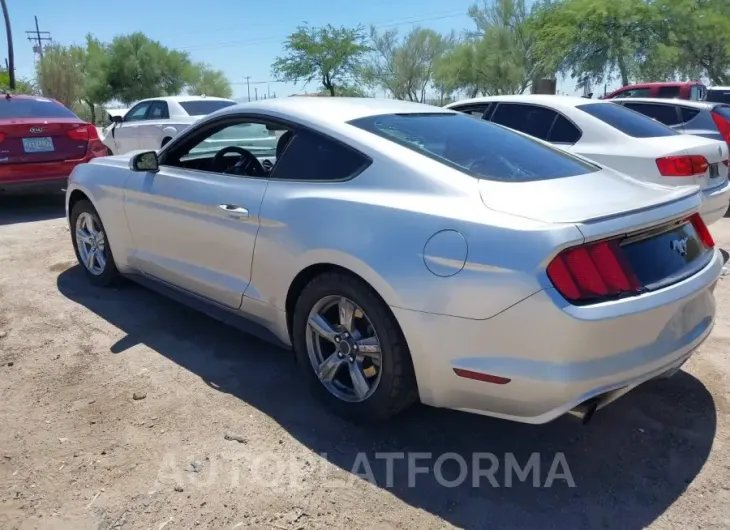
(29, 208)
(632, 461)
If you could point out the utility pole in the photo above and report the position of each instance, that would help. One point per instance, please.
(37, 37)
(256, 91)
(248, 87)
(268, 91)
(11, 55)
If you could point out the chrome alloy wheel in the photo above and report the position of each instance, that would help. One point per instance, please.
(344, 349)
(90, 242)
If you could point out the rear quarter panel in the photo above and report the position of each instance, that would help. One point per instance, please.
(102, 181)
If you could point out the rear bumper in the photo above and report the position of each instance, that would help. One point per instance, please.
(715, 203)
(557, 356)
(37, 178)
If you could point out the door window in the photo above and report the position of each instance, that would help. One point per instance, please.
(138, 113)
(666, 114)
(634, 93)
(529, 119)
(158, 111)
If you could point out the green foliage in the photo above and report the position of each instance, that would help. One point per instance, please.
(331, 55)
(60, 73)
(209, 82)
(22, 86)
(138, 67)
(405, 67)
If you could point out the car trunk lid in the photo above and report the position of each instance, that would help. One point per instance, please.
(36, 140)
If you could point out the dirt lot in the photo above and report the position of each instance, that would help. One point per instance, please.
(77, 451)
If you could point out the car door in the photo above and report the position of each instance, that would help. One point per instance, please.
(126, 134)
(195, 229)
(150, 129)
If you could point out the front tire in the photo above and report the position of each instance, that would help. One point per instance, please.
(91, 245)
(351, 349)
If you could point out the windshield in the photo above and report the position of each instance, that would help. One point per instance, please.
(253, 137)
(203, 107)
(476, 147)
(627, 121)
(33, 108)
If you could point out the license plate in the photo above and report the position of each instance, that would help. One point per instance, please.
(38, 145)
(714, 170)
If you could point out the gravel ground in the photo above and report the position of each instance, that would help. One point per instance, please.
(120, 409)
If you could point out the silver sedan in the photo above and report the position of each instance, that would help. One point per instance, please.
(407, 252)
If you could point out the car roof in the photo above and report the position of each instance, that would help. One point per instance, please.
(718, 88)
(548, 100)
(332, 109)
(661, 83)
(673, 101)
(178, 99)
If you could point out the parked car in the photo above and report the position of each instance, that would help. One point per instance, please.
(719, 94)
(693, 90)
(709, 120)
(151, 123)
(41, 141)
(617, 137)
(402, 249)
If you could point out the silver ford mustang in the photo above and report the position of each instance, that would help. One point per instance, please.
(408, 252)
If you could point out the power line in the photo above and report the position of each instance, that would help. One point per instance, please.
(38, 37)
(265, 40)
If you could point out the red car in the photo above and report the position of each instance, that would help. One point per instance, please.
(693, 90)
(41, 141)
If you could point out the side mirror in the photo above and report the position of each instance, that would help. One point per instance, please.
(117, 119)
(145, 162)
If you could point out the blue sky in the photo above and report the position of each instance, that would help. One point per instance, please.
(242, 38)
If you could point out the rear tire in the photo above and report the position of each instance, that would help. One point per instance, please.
(391, 385)
(91, 245)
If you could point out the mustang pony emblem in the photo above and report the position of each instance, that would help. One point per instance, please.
(679, 245)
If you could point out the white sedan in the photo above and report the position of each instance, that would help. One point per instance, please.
(617, 137)
(151, 123)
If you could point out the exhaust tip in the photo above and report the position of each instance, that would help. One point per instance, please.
(585, 411)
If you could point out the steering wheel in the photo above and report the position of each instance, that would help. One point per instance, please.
(247, 162)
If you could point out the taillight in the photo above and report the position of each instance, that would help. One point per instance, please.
(723, 125)
(2, 137)
(702, 231)
(682, 166)
(594, 270)
(83, 133)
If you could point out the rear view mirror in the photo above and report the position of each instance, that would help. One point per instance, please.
(116, 119)
(145, 162)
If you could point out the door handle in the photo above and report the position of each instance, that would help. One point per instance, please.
(234, 209)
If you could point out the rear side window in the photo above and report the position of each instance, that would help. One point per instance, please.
(529, 119)
(473, 110)
(476, 147)
(627, 121)
(688, 114)
(33, 108)
(203, 107)
(666, 114)
(668, 92)
(310, 156)
(563, 131)
(718, 96)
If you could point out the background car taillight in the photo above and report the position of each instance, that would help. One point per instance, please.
(723, 125)
(2, 137)
(83, 133)
(682, 166)
(601, 269)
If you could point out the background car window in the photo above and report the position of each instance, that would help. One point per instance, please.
(717, 95)
(310, 156)
(688, 114)
(138, 113)
(158, 111)
(253, 137)
(476, 147)
(668, 92)
(204, 107)
(666, 114)
(529, 119)
(473, 110)
(33, 108)
(635, 93)
(626, 120)
(563, 131)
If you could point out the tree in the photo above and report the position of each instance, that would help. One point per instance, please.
(592, 39)
(96, 90)
(209, 82)
(60, 73)
(138, 67)
(405, 67)
(499, 57)
(331, 55)
(22, 86)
